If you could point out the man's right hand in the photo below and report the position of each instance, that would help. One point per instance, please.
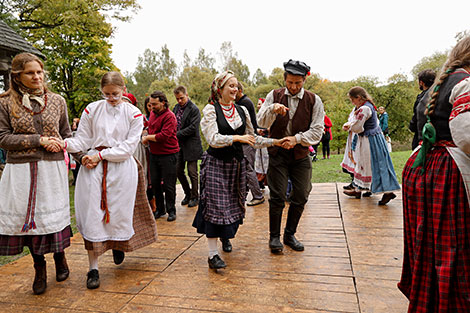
(280, 109)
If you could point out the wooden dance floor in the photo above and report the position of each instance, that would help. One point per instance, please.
(351, 263)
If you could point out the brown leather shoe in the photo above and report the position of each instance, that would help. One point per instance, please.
(40, 279)
(61, 268)
(352, 193)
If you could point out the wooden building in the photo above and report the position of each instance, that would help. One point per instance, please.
(10, 45)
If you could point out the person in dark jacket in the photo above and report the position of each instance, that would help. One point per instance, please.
(425, 81)
(249, 151)
(188, 118)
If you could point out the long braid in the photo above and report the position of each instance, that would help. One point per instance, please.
(459, 57)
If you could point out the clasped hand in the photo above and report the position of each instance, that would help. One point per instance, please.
(52, 144)
(91, 161)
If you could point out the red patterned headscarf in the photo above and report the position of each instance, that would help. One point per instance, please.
(218, 83)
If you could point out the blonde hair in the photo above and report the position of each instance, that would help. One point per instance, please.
(17, 67)
(458, 57)
(113, 78)
(360, 92)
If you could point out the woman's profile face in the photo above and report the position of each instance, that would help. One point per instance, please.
(32, 76)
(357, 101)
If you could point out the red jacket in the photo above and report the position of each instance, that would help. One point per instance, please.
(163, 125)
(328, 125)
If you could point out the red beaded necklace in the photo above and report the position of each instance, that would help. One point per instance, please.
(230, 111)
(43, 108)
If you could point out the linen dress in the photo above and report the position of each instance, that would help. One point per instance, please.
(373, 169)
(119, 129)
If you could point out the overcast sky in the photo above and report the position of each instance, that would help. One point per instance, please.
(340, 40)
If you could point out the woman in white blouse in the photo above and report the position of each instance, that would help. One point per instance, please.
(226, 127)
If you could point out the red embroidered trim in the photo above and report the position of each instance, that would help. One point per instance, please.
(460, 106)
(135, 116)
(86, 111)
(99, 154)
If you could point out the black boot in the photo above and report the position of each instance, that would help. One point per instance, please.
(61, 268)
(293, 218)
(118, 256)
(275, 232)
(40, 277)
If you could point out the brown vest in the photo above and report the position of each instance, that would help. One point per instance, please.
(300, 122)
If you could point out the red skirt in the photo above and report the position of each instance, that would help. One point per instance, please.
(436, 263)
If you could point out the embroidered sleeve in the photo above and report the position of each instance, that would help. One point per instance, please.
(210, 129)
(84, 136)
(460, 98)
(360, 117)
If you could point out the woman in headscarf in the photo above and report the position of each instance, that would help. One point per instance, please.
(34, 193)
(226, 126)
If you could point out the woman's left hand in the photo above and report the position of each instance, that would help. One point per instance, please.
(91, 161)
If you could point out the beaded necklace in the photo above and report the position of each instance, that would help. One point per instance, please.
(229, 112)
(38, 112)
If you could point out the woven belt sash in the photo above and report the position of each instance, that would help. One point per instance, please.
(104, 198)
(29, 219)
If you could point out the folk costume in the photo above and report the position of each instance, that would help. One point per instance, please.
(223, 185)
(111, 205)
(305, 121)
(436, 264)
(34, 193)
(367, 158)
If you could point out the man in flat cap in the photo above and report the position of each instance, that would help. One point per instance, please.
(296, 114)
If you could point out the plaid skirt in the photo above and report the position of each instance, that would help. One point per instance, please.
(436, 263)
(37, 244)
(222, 196)
(143, 222)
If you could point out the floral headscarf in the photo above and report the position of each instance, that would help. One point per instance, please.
(218, 83)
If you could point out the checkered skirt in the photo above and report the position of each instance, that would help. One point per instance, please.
(223, 190)
(143, 222)
(37, 244)
(436, 213)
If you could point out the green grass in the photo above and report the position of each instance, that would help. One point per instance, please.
(329, 170)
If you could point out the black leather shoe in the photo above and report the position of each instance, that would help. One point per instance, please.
(185, 201)
(157, 214)
(93, 279)
(171, 217)
(386, 198)
(118, 256)
(348, 187)
(275, 244)
(216, 262)
(61, 268)
(367, 194)
(226, 245)
(193, 203)
(292, 242)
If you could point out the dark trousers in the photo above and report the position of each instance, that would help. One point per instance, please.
(163, 168)
(192, 190)
(283, 166)
(252, 179)
(325, 144)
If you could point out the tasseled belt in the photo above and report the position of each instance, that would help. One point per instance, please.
(104, 198)
(29, 220)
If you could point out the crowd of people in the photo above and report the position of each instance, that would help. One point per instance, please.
(126, 165)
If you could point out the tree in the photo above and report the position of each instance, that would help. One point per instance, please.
(231, 62)
(259, 78)
(434, 62)
(73, 35)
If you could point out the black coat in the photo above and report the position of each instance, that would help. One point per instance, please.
(188, 136)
